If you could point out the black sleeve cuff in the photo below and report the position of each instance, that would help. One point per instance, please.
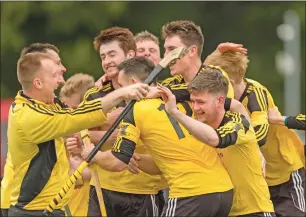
(227, 104)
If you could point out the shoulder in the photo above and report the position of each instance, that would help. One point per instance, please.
(237, 120)
(177, 79)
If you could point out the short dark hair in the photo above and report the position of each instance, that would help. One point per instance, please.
(211, 80)
(188, 31)
(139, 66)
(124, 37)
(38, 48)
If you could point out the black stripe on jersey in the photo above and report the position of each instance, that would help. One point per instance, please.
(229, 137)
(38, 173)
(129, 118)
(261, 132)
(297, 122)
(13, 106)
(125, 150)
(227, 104)
(90, 91)
(257, 100)
(39, 111)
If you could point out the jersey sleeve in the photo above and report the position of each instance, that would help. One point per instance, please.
(40, 124)
(128, 137)
(234, 132)
(296, 122)
(258, 108)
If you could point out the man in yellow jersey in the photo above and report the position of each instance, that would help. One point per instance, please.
(124, 193)
(36, 126)
(232, 135)
(7, 182)
(72, 94)
(281, 147)
(194, 172)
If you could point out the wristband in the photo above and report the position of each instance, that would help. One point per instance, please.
(286, 121)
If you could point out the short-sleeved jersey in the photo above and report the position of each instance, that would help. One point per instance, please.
(190, 167)
(281, 147)
(178, 86)
(239, 152)
(124, 181)
(296, 122)
(37, 150)
(7, 183)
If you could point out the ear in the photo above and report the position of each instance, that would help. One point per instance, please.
(193, 51)
(37, 83)
(131, 54)
(135, 80)
(221, 101)
(232, 82)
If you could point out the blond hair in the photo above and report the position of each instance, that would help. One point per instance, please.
(188, 31)
(27, 67)
(210, 80)
(146, 36)
(234, 63)
(77, 84)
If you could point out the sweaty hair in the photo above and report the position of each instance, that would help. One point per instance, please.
(189, 33)
(77, 84)
(27, 67)
(139, 66)
(123, 35)
(234, 63)
(210, 80)
(39, 48)
(146, 36)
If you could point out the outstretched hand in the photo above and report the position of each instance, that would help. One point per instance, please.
(168, 98)
(228, 46)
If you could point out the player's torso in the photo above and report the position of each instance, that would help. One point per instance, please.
(283, 148)
(124, 181)
(181, 158)
(243, 163)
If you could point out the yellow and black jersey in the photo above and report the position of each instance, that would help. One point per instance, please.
(239, 153)
(37, 150)
(296, 122)
(126, 181)
(281, 147)
(99, 92)
(178, 86)
(7, 183)
(189, 167)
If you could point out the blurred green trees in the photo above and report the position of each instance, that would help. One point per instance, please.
(71, 26)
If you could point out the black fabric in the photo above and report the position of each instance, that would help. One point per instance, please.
(287, 196)
(4, 212)
(293, 123)
(119, 204)
(227, 104)
(208, 205)
(259, 214)
(127, 148)
(18, 212)
(38, 174)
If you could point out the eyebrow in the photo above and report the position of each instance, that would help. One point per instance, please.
(111, 51)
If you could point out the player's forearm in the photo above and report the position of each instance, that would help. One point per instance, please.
(107, 161)
(201, 131)
(112, 99)
(277, 120)
(147, 165)
(95, 137)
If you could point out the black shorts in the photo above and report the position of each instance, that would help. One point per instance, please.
(208, 205)
(259, 214)
(17, 212)
(4, 212)
(289, 198)
(120, 204)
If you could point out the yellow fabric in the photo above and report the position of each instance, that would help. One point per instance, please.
(243, 163)
(125, 181)
(190, 167)
(283, 150)
(78, 203)
(7, 183)
(36, 146)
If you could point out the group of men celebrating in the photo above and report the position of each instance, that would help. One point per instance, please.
(210, 135)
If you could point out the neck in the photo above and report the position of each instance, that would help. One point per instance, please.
(239, 89)
(219, 117)
(115, 82)
(35, 95)
(192, 71)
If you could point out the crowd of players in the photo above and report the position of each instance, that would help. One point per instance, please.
(210, 135)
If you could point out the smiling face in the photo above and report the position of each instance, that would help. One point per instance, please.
(55, 57)
(206, 106)
(111, 56)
